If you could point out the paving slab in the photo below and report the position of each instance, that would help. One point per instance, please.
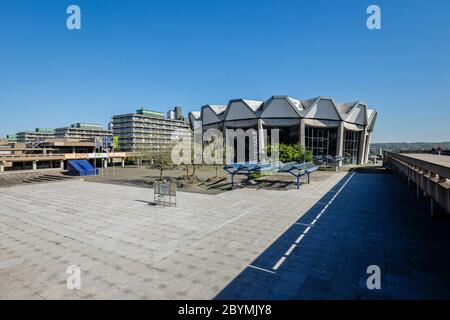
(366, 219)
(128, 248)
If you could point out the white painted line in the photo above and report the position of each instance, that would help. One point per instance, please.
(262, 269)
(290, 250)
(304, 224)
(299, 239)
(279, 263)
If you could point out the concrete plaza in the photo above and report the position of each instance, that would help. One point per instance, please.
(128, 248)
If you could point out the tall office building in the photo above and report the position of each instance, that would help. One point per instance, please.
(11, 137)
(82, 131)
(37, 135)
(146, 130)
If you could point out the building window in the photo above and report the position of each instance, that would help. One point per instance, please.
(321, 141)
(287, 135)
(351, 146)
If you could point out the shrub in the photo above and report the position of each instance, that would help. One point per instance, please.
(292, 152)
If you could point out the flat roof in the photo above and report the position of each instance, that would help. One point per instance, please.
(431, 158)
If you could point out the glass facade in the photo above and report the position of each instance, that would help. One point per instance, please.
(286, 135)
(321, 141)
(351, 146)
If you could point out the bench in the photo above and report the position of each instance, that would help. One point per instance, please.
(294, 168)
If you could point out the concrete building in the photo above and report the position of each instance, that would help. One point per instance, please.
(320, 124)
(146, 130)
(9, 149)
(82, 131)
(36, 135)
(53, 153)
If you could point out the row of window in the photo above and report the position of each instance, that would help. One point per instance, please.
(321, 141)
(351, 146)
(154, 132)
(148, 121)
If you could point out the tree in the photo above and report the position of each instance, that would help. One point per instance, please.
(188, 154)
(160, 159)
(220, 158)
(197, 161)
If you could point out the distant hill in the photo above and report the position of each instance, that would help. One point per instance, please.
(399, 146)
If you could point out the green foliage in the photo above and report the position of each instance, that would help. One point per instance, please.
(160, 159)
(292, 152)
(256, 175)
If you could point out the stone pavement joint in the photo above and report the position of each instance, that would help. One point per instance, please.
(129, 249)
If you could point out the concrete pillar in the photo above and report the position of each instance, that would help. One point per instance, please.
(367, 150)
(302, 132)
(448, 200)
(34, 165)
(229, 146)
(340, 140)
(261, 141)
(362, 146)
(2, 166)
(61, 164)
(432, 206)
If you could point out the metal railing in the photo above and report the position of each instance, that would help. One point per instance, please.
(30, 157)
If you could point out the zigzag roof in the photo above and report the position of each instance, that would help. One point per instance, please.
(348, 111)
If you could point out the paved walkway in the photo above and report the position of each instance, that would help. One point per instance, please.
(127, 248)
(366, 219)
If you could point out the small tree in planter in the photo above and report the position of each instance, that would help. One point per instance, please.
(160, 159)
(195, 164)
(218, 154)
(186, 155)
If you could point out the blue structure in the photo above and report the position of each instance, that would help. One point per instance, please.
(296, 169)
(81, 168)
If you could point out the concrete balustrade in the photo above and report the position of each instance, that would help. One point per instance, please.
(62, 158)
(430, 173)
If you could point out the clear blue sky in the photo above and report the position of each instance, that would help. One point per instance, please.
(163, 53)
